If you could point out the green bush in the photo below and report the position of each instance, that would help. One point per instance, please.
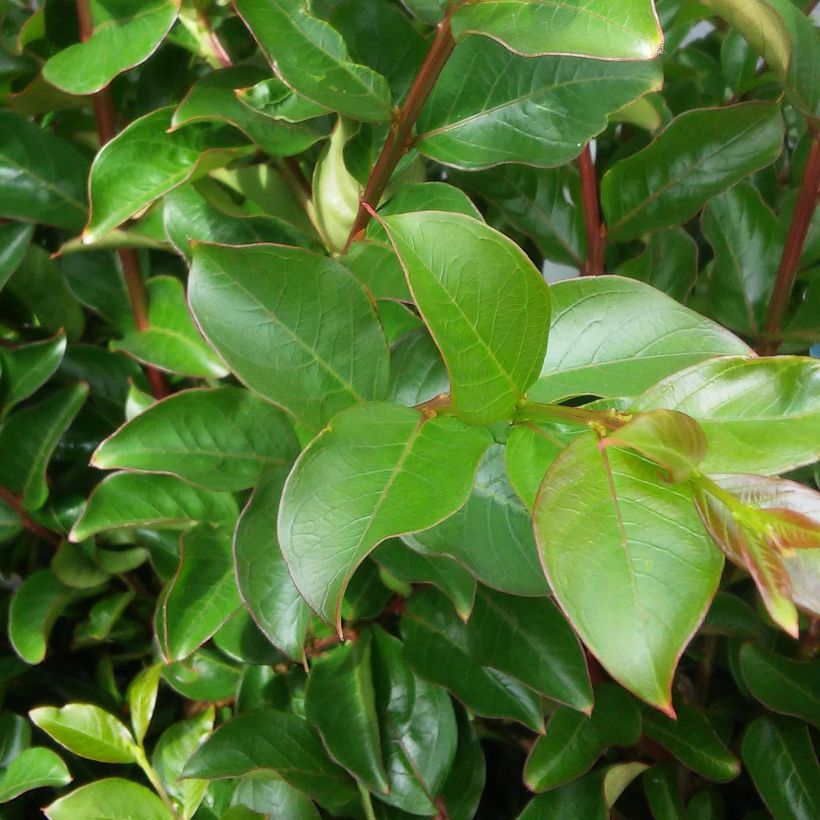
(328, 488)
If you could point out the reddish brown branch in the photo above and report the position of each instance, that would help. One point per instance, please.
(595, 228)
(105, 117)
(48, 536)
(401, 131)
(807, 199)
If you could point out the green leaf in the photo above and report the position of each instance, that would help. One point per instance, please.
(274, 99)
(174, 749)
(670, 439)
(582, 798)
(441, 571)
(693, 740)
(306, 337)
(574, 741)
(218, 439)
(779, 756)
(35, 606)
(109, 799)
(14, 241)
(206, 675)
(270, 796)
(531, 640)
(26, 368)
(781, 684)
(378, 471)
(42, 177)
(527, 456)
(464, 787)
(133, 500)
(491, 534)
(122, 183)
(417, 373)
(261, 573)
(311, 57)
(747, 240)
(437, 645)
(28, 439)
(542, 203)
(188, 215)
(102, 618)
(492, 329)
(639, 536)
(418, 729)
(668, 182)
(74, 565)
(214, 99)
(602, 344)
(88, 731)
(281, 742)
(204, 583)
(669, 263)
(142, 697)
(628, 30)
(538, 111)
(340, 702)
(40, 285)
(125, 34)
(660, 787)
(377, 267)
(32, 769)
(171, 341)
(759, 415)
(11, 524)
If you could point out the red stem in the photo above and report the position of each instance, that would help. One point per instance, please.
(32, 526)
(105, 117)
(595, 229)
(401, 131)
(807, 199)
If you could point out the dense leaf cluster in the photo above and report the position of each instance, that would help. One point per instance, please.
(383, 388)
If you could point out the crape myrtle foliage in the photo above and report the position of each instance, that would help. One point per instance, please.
(316, 500)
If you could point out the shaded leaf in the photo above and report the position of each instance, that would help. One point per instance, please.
(669, 263)
(26, 368)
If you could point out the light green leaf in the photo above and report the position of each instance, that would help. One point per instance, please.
(528, 454)
(573, 741)
(74, 565)
(371, 475)
(780, 758)
(42, 177)
(782, 684)
(125, 34)
(693, 740)
(32, 769)
(122, 183)
(627, 30)
(616, 337)
(133, 500)
(142, 696)
(491, 534)
(278, 741)
(218, 439)
(436, 643)
(214, 99)
(641, 541)
(88, 731)
(759, 415)
(109, 799)
(26, 368)
(204, 583)
(261, 573)
(670, 439)
(171, 342)
(35, 606)
(340, 702)
(747, 241)
(295, 327)
(492, 329)
(669, 181)
(29, 437)
(531, 640)
(491, 106)
(311, 57)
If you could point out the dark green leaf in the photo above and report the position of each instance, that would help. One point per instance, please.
(583, 798)
(206, 675)
(272, 797)
(14, 241)
(668, 182)
(26, 368)
(417, 372)
(669, 263)
(462, 791)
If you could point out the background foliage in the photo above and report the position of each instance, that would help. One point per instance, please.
(308, 510)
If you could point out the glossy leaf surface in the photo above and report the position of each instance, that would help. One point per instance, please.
(33, 768)
(109, 799)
